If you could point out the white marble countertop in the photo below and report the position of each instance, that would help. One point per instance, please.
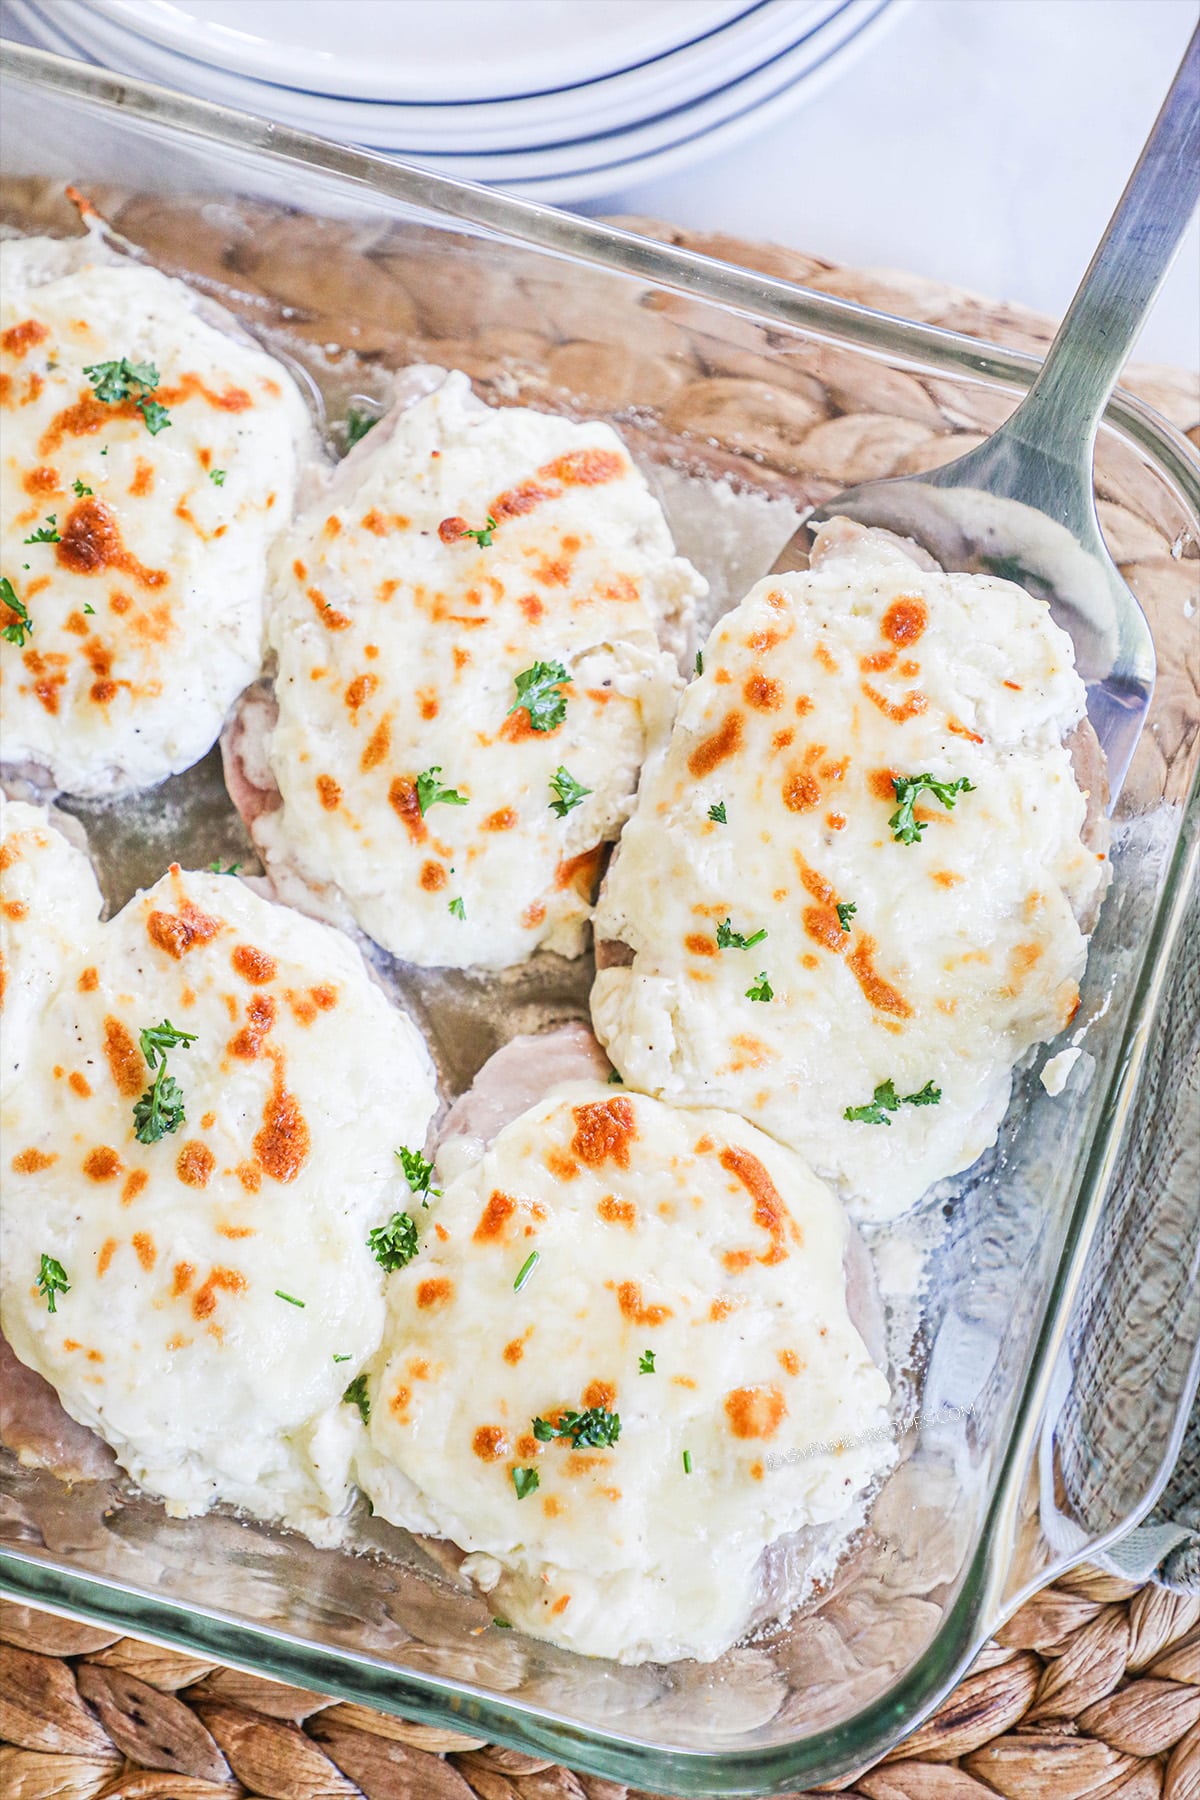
(981, 142)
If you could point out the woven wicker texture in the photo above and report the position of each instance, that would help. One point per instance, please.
(1093, 1690)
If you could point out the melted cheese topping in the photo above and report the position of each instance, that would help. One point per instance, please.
(174, 1341)
(147, 613)
(963, 949)
(688, 1235)
(399, 640)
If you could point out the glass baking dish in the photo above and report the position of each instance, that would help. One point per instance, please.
(351, 265)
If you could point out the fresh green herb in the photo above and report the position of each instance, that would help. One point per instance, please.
(717, 813)
(594, 1429)
(458, 907)
(52, 1280)
(356, 1395)
(908, 788)
(346, 1358)
(687, 1462)
(430, 791)
(104, 452)
(482, 534)
(395, 1244)
(846, 910)
(762, 989)
(699, 662)
(89, 609)
(539, 691)
(728, 939)
(646, 1363)
(47, 533)
(358, 423)
(503, 1624)
(82, 491)
(418, 1172)
(215, 868)
(569, 792)
(217, 477)
(160, 1108)
(290, 1298)
(525, 1481)
(615, 1078)
(526, 1270)
(123, 380)
(886, 1100)
(20, 626)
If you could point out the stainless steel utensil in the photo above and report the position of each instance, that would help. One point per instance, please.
(1022, 504)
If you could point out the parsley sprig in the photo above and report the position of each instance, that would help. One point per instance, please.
(729, 939)
(482, 533)
(569, 792)
(846, 910)
(430, 791)
(82, 490)
(594, 1429)
(356, 1395)
(47, 533)
(539, 691)
(418, 1172)
(358, 423)
(908, 788)
(160, 1108)
(395, 1244)
(646, 1363)
(886, 1100)
(717, 813)
(20, 626)
(526, 1481)
(762, 989)
(52, 1280)
(125, 380)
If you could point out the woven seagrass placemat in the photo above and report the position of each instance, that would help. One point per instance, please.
(1091, 1692)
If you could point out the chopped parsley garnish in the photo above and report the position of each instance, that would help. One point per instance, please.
(52, 1279)
(89, 609)
(21, 625)
(729, 939)
(908, 788)
(886, 1100)
(417, 1172)
(346, 1358)
(762, 989)
(82, 491)
(539, 691)
(699, 662)
(123, 380)
(504, 1624)
(47, 533)
(395, 1244)
(217, 477)
(568, 792)
(717, 813)
(358, 423)
(356, 1395)
(430, 791)
(290, 1298)
(646, 1363)
(526, 1270)
(615, 1078)
(215, 868)
(160, 1108)
(525, 1481)
(594, 1429)
(482, 533)
(687, 1462)
(846, 910)
(458, 907)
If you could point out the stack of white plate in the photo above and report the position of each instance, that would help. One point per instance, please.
(557, 99)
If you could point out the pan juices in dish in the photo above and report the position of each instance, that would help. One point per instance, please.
(199, 1116)
(621, 1361)
(857, 887)
(149, 458)
(475, 635)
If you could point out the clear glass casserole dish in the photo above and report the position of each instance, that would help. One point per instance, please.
(744, 398)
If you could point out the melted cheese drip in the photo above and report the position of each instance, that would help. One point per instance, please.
(398, 645)
(147, 614)
(963, 949)
(690, 1235)
(173, 1342)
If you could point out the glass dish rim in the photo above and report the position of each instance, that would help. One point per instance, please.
(982, 1601)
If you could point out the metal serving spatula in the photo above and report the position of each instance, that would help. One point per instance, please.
(1022, 504)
